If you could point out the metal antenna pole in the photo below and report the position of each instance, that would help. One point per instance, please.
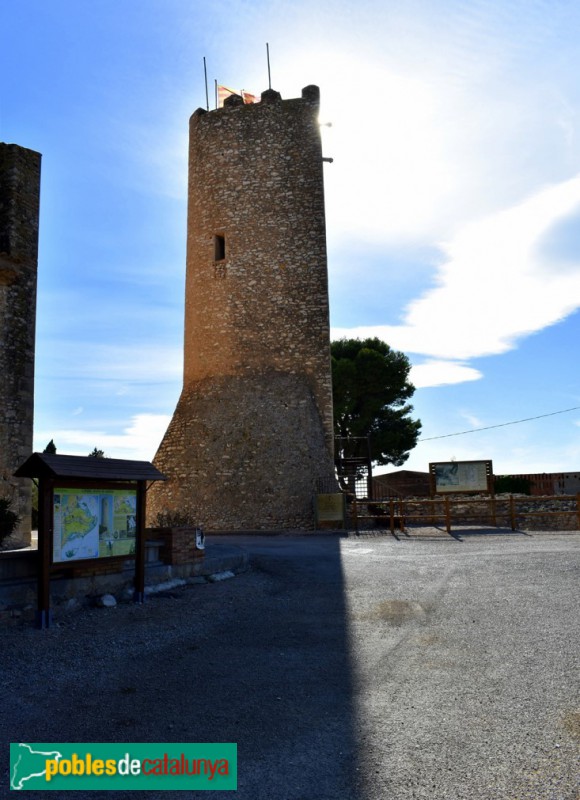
(268, 58)
(206, 92)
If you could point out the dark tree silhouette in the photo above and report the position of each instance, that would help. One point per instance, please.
(371, 388)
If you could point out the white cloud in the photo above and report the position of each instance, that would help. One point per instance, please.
(439, 373)
(138, 441)
(472, 419)
(401, 173)
(497, 284)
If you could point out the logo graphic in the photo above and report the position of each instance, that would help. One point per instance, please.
(109, 766)
(29, 764)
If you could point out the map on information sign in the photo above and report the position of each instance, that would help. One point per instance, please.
(461, 476)
(93, 523)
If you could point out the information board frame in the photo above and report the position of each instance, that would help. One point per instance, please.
(105, 544)
(461, 477)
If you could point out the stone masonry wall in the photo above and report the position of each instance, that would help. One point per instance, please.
(19, 211)
(253, 428)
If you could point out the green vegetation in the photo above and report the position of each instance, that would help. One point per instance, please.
(370, 389)
(509, 484)
(9, 519)
(173, 519)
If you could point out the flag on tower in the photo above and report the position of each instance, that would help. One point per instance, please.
(223, 92)
(249, 98)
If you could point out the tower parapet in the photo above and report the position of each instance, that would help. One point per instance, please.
(252, 431)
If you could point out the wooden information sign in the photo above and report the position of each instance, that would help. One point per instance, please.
(89, 510)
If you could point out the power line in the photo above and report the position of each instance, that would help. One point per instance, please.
(502, 425)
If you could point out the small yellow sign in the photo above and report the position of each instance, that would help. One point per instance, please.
(330, 508)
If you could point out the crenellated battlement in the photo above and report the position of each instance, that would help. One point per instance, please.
(310, 95)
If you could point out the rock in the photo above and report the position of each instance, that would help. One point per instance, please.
(221, 576)
(165, 586)
(107, 601)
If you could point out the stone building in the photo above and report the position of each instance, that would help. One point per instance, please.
(19, 210)
(402, 483)
(253, 431)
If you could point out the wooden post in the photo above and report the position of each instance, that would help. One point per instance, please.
(392, 514)
(578, 509)
(512, 512)
(45, 533)
(139, 592)
(354, 512)
(447, 516)
(493, 511)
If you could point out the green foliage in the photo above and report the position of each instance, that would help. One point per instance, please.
(370, 388)
(96, 453)
(510, 484)
(173, 519)
(8, 519)
(50, 448)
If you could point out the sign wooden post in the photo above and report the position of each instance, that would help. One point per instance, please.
(139, 591)
(43, 616)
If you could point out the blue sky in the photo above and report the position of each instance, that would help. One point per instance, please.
(452, 204)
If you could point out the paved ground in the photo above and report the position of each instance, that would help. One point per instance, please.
(345, 669)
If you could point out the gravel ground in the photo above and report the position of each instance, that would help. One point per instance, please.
(346, 668)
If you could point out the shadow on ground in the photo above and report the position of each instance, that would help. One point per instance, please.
(261, 660)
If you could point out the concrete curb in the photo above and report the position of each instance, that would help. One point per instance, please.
(220, 558)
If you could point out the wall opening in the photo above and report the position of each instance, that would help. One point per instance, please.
(219, 247)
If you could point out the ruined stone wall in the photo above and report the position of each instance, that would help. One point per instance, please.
(19, 210)
(253, 428)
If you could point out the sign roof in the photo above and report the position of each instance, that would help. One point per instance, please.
(48, 465)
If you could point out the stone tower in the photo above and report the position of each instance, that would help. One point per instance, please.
(253, 429)
(19, 210)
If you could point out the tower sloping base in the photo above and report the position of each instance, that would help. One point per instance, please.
(243, 453)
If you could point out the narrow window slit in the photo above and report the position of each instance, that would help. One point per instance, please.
(219, 243)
